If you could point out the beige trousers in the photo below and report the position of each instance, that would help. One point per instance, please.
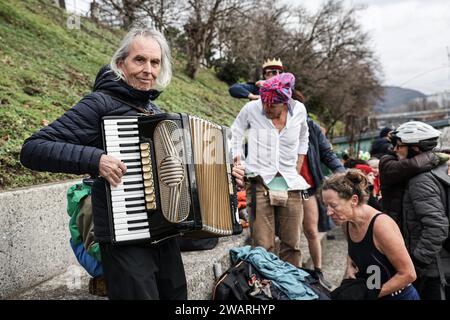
(262, 223)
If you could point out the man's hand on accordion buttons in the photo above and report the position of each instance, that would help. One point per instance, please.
(239, 172)
(112, 169)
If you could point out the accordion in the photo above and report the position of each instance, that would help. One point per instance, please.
(178, 178)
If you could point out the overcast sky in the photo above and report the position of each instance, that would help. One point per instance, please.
(409, 37)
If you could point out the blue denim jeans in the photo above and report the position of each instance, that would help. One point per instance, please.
(409, 293)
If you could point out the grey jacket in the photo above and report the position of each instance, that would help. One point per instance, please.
(425, 223)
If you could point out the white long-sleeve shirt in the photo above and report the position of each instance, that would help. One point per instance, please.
(271, 151)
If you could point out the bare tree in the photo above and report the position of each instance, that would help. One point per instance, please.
(254, 35)
(201, 27)
(335, 68)
(163, 13)
(124, 11)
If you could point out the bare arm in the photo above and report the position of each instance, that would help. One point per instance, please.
(389, 241)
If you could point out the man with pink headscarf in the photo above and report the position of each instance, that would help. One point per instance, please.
(276, 131)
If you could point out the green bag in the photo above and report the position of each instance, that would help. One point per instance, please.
(81, 225)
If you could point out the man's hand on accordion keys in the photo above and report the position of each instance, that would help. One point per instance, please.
(239, 172)
(112, 169)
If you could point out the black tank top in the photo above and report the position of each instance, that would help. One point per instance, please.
(364, 254)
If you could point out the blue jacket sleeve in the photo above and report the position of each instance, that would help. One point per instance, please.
(242, 90)
(70, 144)
(327, 156)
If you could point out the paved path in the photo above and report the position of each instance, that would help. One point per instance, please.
(73, 284)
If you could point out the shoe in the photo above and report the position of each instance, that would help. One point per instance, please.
(322, 280)
(97, 286)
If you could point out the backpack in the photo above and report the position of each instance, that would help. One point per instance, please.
(81, 227)
(242, 281)
(441, 174)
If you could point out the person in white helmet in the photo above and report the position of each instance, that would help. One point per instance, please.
(425, 224)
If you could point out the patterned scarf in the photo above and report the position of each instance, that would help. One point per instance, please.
(277, 89)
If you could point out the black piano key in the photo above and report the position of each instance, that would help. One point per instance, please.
(134, 199)
(135, 211)
(126, 123)
(126, 129)
(122, 145)
(133, 205)
(137, 221)
(133, 189)
(136, 166)
(129, 151)
(138, 228)
(129, 160)
(128, 183)
(128, 135)
(132, 173)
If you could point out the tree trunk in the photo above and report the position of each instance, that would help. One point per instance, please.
(62, 4)
(192, 67)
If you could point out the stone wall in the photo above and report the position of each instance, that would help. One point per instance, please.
(34, 236)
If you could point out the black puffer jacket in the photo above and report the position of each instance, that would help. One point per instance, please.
(395, 174)
(425, 222)
(73, 143)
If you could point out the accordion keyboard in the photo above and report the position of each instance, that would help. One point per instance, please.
(128, 199)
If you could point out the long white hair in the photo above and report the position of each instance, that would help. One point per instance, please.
(122, 52)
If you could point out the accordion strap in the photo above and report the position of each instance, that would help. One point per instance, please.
(134, 106)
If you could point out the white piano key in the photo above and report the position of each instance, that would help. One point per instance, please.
(132, 163)
(133, 170)
(128, 184)
(116, 194)
(127, 204)
(123, 197)
(123, 209)
(116, 142)
(136, 236)
(115, 139)
(117, 148)
(122, 215)
(127, 226)
(130, 178)
(113, 133)
(128, 219)
(132, 217)
(127, 232)
(115, 121)
(109, 126)
(121, 187)
(124, 156)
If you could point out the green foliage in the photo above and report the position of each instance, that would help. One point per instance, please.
(231, 72)
(46, 67)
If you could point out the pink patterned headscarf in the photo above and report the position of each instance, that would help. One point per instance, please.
(277, 89)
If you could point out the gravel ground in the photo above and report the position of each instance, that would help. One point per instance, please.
(334, 256)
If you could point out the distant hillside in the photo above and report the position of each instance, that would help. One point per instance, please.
(45, 68)
(395, 97)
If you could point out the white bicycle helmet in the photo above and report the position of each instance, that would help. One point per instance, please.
(417, 133)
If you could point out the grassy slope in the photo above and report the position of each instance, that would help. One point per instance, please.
(45, 68)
